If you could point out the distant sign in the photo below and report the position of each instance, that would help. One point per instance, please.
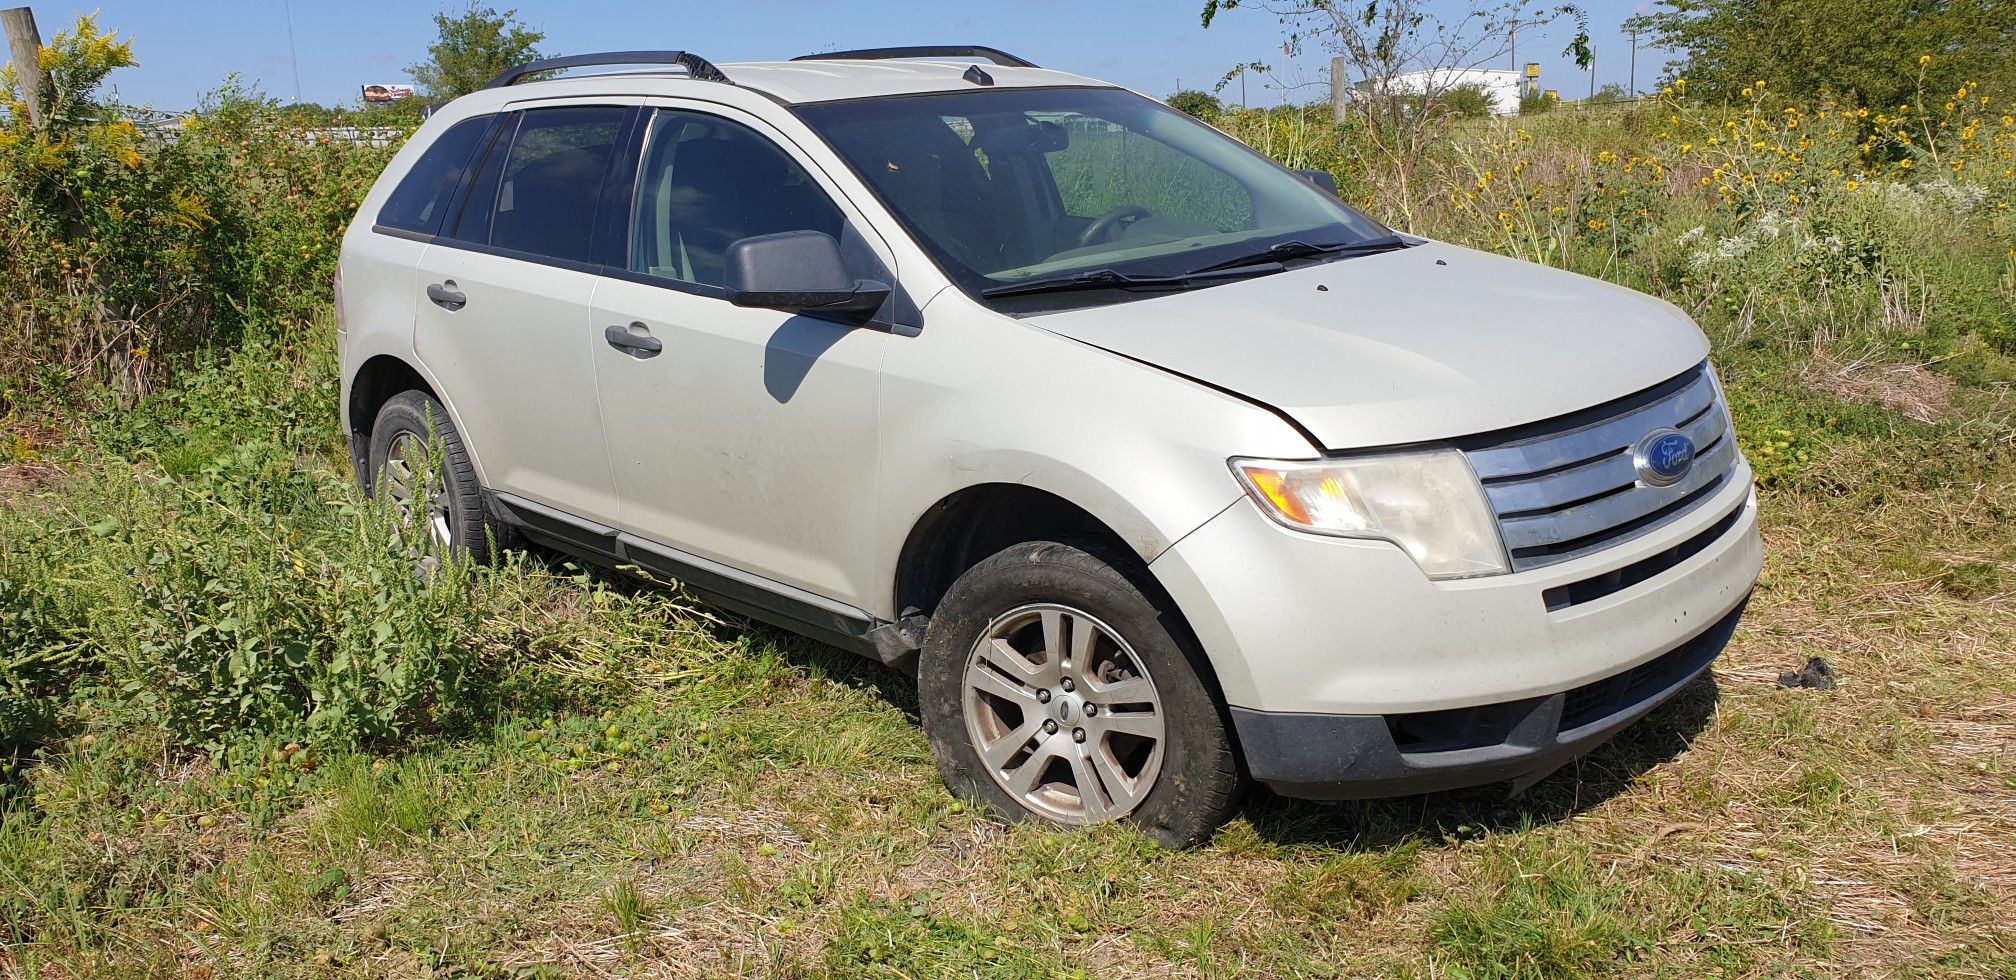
(1532, 69)
(387, 93)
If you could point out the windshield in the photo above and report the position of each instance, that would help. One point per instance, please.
(1010, 189)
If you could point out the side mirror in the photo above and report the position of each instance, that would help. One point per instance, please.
(799, 272)
(1321, 178)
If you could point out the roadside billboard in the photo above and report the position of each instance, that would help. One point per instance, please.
(379, 94)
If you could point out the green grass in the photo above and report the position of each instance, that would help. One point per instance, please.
(651, 787)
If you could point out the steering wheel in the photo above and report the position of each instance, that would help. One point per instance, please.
(1103, 226)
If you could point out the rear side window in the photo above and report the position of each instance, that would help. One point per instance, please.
(423, 197)
(545, 194)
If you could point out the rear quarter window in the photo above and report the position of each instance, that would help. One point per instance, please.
(426, 192)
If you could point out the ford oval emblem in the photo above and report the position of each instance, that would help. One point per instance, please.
(1663, 457)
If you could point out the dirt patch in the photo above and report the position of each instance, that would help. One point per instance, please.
(1911, 390)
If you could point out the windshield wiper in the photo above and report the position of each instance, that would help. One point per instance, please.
(1292, 249)
(1114, 279)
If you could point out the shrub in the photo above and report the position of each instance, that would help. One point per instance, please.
(1203, 105)
(1467, 102)
(120, 248)
(252, 591)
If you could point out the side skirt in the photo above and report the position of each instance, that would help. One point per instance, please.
(731, 588)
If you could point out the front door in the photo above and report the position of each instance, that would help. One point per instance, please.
(504, 320)
(748, 436)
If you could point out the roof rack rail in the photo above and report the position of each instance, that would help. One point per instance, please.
(695, 65)
(995, 55)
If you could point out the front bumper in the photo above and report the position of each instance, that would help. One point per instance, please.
(1330, 757)
(1350, 674)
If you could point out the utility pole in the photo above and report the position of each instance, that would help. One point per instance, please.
(1634, 64)
(293, 57)
(24, 43)
(1242, 87)
(1340, 90)
(1592, 73)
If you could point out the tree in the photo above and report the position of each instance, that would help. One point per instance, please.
(1407, 60)
(1610, 92)
(1866, 51)
(474, 48)
(1203, 105)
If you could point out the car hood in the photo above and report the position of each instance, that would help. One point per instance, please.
(1425, 343)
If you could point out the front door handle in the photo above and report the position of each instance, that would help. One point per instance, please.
(446, 296)
(631, 341)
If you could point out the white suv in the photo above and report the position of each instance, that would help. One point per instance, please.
(1162, 467)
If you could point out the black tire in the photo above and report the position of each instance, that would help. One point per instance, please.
(415, 415)
(1199, 781)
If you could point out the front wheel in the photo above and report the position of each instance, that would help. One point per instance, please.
(1052, 687)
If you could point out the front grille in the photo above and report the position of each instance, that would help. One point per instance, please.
(1568, 488)
(1618, 579)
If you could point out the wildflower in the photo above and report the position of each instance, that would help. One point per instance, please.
(1686, 148)
(1959, 165)
(1924, 59)
(1905, 164)
(1852, 185)
(1748, 91)
(1598, 224)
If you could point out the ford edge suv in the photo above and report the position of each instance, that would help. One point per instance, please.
(1163, 469)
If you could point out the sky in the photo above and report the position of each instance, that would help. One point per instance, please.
(187, 47)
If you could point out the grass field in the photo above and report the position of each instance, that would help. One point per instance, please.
(244, 741)
(668, 791)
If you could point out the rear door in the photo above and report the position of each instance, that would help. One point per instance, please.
(751, 437)
(503, 309)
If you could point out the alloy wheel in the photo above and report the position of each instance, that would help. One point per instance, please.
(1063, 714)
(419, 493)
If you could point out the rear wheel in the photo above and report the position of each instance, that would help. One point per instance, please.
(1052, 687)
(419, 465)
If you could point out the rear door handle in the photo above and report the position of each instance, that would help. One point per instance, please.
(446, 296)
(630, 341)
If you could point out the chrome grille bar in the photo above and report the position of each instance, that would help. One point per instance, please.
(1574, 491)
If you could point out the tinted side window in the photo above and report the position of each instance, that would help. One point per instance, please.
(472, 224)
(707, 183)
(421, 199)
(552, 181)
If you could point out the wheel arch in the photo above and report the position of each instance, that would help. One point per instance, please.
(378, 380)
(970, 524)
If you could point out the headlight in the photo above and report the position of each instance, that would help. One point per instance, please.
(1427, 502)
